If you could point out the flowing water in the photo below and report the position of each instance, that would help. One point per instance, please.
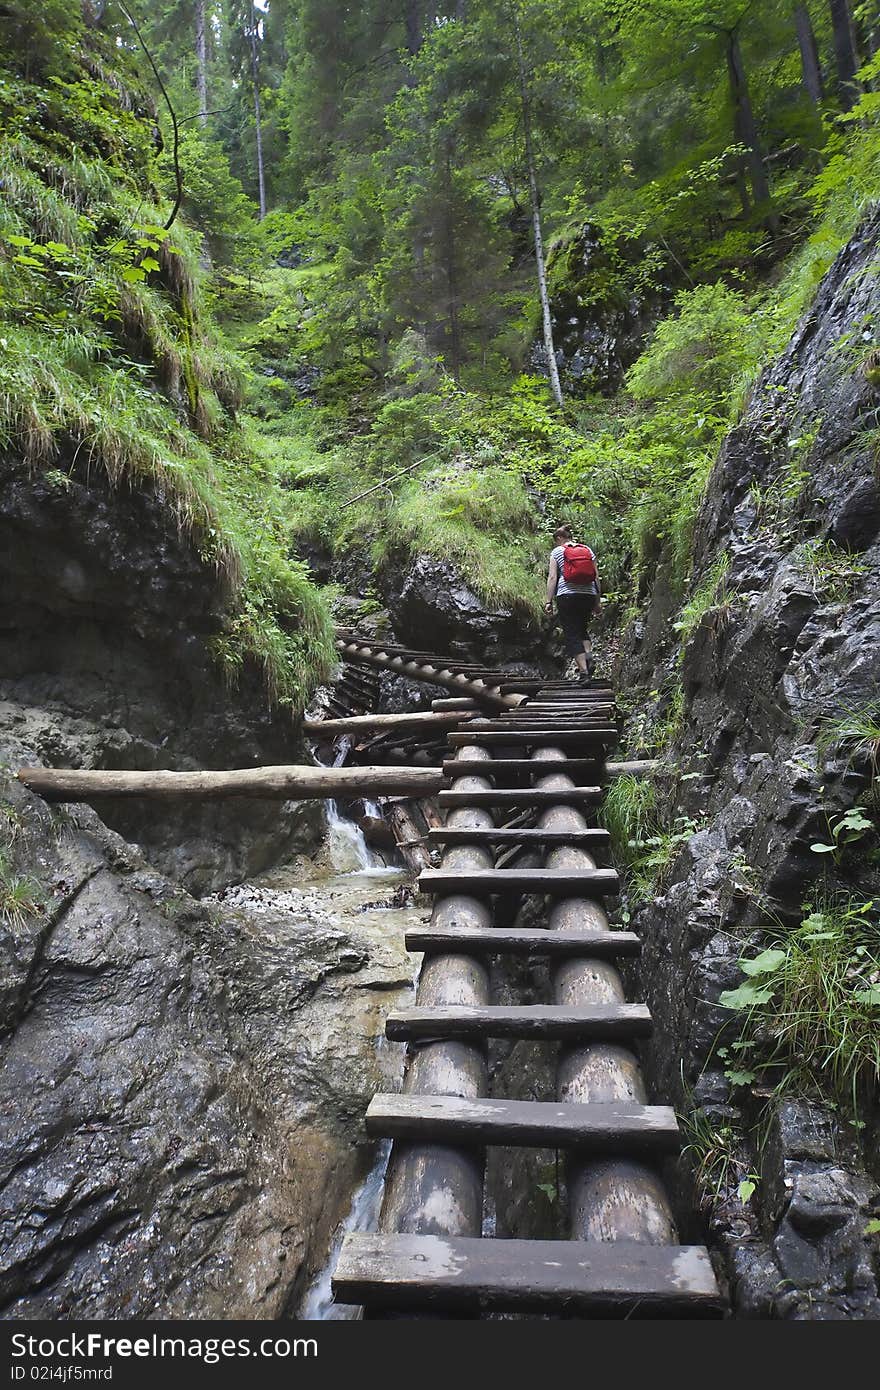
(353, 860)
(318, 1303)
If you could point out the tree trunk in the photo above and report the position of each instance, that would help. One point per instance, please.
(845, 56)
(810, 71)
(451, 281)
(255, 65)
(745, 127)
(549, 348)
(413, 20)
(408, 837)
(279, 783)
(202, 61)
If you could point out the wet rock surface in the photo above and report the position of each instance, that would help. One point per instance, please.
(106, 614)
(183, 1084)
(788, 646)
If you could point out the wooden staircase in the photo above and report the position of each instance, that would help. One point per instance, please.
(428, 1257)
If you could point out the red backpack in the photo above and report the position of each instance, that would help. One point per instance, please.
(578, 564)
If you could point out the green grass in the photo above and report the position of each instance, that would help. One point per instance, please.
(21, 897)
(857, 730)
(832, 570)
(631, 813)
(111, 366)
(481, 520)
(810, 1003)
(709, 595)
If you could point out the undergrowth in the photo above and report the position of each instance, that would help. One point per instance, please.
(110, 365)
(810, 1003)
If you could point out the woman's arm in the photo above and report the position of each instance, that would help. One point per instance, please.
(552, 580)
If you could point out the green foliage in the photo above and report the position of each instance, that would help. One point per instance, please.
(714, 1147)
(111, 365)
(857, 730)
(832, 570)
(21, 897)
(644, 843)
(710, 595)
(703, 351)
(810, 1002)
(484, 522)
(630, 812)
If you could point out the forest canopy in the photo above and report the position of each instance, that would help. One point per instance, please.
(535, 252)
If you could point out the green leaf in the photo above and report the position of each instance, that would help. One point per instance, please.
(764, 964)
(744, 997)
(19, 240)
(741, 1078)
(868, 996)
(872, 1228)
(822, 849)
(132, 274)
(149, 263)
(745, 1189)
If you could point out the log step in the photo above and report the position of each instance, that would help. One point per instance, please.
(557, 883)
(560, 738)
(524, 941)
(607, 1279)
(593, 837)
(522, 796)
(541, 767)
(600, 1129)
(545, 1022)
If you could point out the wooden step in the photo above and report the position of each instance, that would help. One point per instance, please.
(523, 941)
(559, 738)
(593, 837)
(557, 883)
(604, 1278)
(522, 796)
(546, 1022)
(615, 1127)
(542, 767)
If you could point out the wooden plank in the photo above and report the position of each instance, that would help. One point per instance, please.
(292, 783)
(542, 1022)
(523, 796)
(616, 1127)
(524, 941)
(385, 723)
(469, 767)
(591, 837)
(559, 738)
(605, 1278)
(557, 883)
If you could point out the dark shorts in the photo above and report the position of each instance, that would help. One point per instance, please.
(575, 612)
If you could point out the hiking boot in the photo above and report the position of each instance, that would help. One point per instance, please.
(583, 677)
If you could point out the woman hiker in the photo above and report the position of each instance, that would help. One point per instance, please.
(573, 581)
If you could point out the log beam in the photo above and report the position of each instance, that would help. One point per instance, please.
(293, 783)
(384, 723)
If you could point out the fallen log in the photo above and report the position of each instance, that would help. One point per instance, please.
(293, 783)
(410, 844)
(360, 723)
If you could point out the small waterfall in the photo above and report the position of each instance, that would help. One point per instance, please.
(318, 1303)
(348, 850)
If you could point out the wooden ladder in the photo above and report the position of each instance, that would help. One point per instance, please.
(428, 1256)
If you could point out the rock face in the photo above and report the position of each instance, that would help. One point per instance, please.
(793, 642)
(598, 329)
(433, 609)
(183, 1085)
(106, 616)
